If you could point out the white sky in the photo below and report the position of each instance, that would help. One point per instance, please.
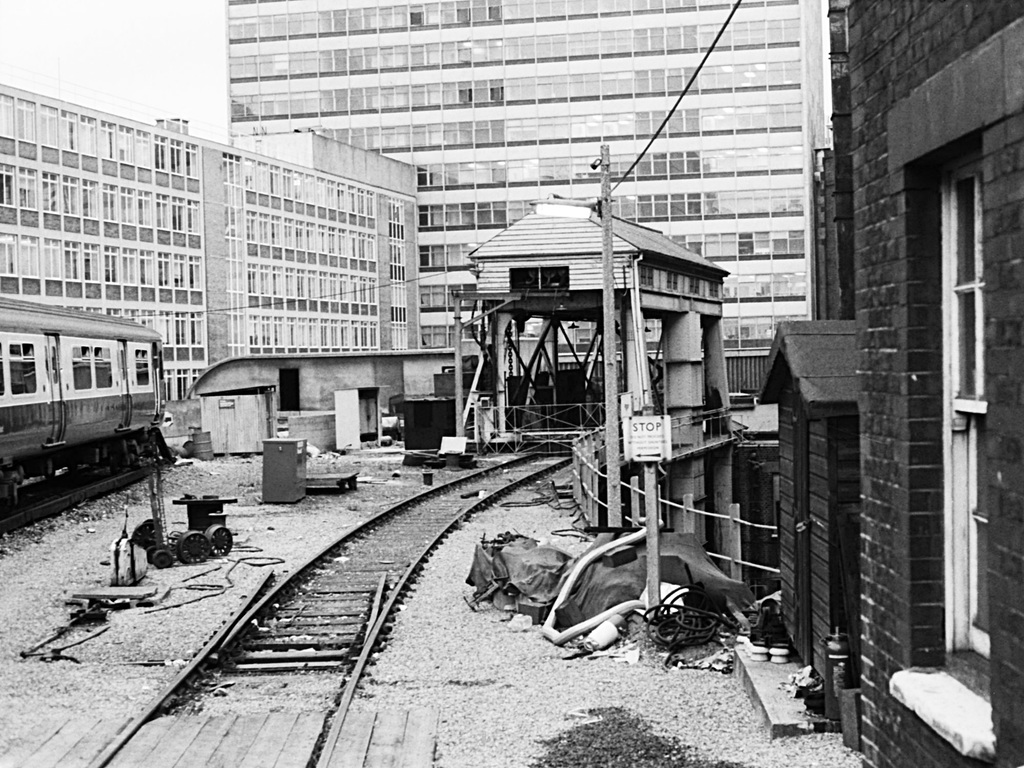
(142, 59)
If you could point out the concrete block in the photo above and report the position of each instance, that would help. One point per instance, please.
(849, 716)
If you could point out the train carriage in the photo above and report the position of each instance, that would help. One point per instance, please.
(75, 388)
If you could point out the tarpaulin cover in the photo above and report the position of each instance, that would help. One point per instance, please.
(533, 569)
(683, 561)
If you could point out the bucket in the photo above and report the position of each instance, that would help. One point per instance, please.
(428, 477)
(202, 447)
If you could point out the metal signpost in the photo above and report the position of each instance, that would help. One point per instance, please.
(649, 440)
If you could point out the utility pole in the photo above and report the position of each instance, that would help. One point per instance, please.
(460, 427)
(611, 370)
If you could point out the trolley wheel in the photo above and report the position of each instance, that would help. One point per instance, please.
(145, 534)
(220, 539)
(160, 557)
(193, 547)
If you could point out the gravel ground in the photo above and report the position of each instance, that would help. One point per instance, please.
(41, 567)
(501, 693)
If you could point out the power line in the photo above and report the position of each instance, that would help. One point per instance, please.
(689, 83)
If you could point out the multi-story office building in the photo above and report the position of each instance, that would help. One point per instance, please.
(500, 102)
(226, 250)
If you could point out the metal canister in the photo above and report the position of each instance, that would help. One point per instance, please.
(837, 672)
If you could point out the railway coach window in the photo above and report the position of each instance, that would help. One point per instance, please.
(81, 367)
(104, 375)
(23, 368)
(142, 367)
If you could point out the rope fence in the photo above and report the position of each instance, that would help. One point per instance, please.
(587, 452)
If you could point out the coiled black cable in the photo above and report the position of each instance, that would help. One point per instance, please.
(688, 616)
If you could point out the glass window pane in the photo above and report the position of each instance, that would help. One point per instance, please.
(968, 342)
(965, 231)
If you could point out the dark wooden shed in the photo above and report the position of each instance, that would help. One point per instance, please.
(812, 375)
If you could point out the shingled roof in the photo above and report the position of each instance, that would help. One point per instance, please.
(542, 234)
(821, 357)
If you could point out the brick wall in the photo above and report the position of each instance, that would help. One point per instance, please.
(930, 81)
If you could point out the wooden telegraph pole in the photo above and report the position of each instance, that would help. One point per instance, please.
(611, 370)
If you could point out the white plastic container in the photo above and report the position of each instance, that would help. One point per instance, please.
(604, 634)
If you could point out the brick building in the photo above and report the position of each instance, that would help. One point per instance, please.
(937, 91)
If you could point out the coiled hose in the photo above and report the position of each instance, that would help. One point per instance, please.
(686, 617)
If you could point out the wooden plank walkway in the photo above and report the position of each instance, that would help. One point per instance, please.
(66, 741)
(275, 740)
(403, 739)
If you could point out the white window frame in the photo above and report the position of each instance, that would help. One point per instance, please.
(963, 417)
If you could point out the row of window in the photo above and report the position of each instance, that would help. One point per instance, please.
(436, 336)
(311, 334)
(738, 245)
(178, 329)
(61, 129)
(689, 205)
(596, 125)
(775, 285)
(289, 283)
(499, 213)
(661, 165)
(504, 49)
(752, 332)
(716, 247)
(522, 90)
(446, 255)
(268, 229)
(673, 282)
(91, 368)
(415, 16)
(33, 257)
(285, 183)
(178, 381)
(27, 189)
(397, 273)
(439, 296)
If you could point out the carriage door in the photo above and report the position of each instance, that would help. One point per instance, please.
(58, 410)
(126, 394)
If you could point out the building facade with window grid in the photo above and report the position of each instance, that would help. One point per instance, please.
(500, 102)
(225, 251)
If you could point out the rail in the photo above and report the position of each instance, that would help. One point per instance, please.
(386, 612)
(266, 595)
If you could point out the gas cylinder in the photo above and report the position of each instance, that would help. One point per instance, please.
(837, 671)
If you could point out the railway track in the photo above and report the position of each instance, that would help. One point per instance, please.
(49, 498)
(334, 611)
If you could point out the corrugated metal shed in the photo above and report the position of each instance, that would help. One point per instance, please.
(821, 356)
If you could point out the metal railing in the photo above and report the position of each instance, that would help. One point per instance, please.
(699, 427)
(558, 417)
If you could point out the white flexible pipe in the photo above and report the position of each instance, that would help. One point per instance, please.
(561, 638)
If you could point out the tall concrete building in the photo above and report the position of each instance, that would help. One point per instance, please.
(285, 244)
(500, 102)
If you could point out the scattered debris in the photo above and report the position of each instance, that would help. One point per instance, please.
(520, 623)
(626, 654)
